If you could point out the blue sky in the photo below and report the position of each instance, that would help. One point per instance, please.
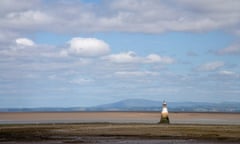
(85, 53)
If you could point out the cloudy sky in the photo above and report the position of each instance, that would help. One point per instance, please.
(89, 52)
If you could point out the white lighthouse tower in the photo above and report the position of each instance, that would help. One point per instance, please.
(164, 114)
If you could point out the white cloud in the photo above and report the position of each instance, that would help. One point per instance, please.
(63, 53)
(15, 5)
(24, 42)
(132, 57)
(87, 47)
(211, 66)
(81, 81)
(158, 16)
(227, 73)
(135, 73)
(154, 58)
(149, 16)
(27, 17)
(128, 57)
(231, 50)
(28, 21)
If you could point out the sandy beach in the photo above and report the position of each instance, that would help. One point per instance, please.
(117, 117)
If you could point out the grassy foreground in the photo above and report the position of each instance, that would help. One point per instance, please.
(42, 132)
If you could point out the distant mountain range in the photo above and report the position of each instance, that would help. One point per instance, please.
(143, 105)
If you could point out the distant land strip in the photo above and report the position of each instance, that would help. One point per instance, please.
(140, 105)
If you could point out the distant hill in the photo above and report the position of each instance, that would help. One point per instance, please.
(150, 105)
(130, 104)
(142, 105)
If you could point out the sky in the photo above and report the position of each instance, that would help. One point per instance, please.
(66, 53)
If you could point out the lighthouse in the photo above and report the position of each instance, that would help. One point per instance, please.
(164, 114)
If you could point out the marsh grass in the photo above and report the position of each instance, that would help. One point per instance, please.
(43, 132)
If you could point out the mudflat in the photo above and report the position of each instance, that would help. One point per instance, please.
(118, 128)
(115, 133)
(117, 117)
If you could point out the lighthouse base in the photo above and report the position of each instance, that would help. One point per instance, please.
(164, 120)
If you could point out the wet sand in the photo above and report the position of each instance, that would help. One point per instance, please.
(117, 117)
(109, 133)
